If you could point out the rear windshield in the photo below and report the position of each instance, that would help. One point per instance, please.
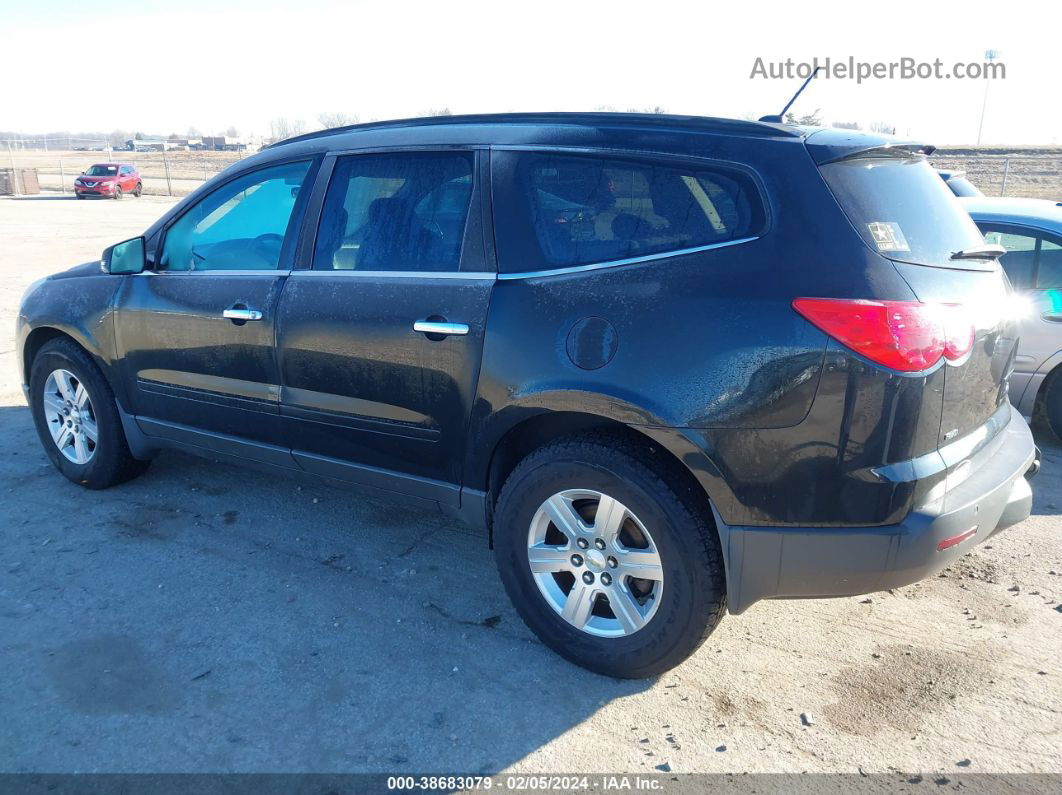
(903, 209)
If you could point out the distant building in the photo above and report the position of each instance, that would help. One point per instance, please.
(153, 145)
(231, 143)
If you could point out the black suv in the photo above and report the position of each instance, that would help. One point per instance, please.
(673, 365)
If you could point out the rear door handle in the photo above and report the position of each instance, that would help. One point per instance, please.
(442, 328)
(241, 314)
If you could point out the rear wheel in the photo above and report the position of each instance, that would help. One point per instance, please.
(77, 418)
(138, 191)
(605, 561)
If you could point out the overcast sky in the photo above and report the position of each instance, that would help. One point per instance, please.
(162, 67)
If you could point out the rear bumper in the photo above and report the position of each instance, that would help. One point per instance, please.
(798, 563)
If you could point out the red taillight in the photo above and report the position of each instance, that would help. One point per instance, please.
(908, 336)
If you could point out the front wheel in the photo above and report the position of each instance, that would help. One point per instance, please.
(605, 561)
(1052, 403)
(117, 192)
(77, 418)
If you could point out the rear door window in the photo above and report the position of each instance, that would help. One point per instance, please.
(587, 209)
(1020, 260)
(395, 212)
(1049, 270)
(1033, 259)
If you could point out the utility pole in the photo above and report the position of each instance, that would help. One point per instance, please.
(990, 56)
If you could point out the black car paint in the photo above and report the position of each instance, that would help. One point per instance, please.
(781, 426)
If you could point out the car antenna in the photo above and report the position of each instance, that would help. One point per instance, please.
(778, 119)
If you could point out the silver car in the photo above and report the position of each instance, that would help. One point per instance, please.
(1031, 232)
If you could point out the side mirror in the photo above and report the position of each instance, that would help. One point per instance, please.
(125, 257)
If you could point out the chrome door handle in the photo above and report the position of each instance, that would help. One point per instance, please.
(242, 313)
(440, 328)
(1052, 317)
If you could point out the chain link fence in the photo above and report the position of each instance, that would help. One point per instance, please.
(1029, 176)
(174, 173)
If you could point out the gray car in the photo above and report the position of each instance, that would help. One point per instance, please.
(1031, 232)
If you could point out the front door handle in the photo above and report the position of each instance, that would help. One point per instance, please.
(1052, 317)
(240, 314)
(440, 328)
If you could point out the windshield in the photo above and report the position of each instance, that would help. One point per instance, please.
(904, 210)
(102, 171)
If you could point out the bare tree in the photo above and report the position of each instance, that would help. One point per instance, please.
(331, 120)
(117, 138)
(193, 132)
(813, 119)
(439, 112)
(883, 127)
(282, 127)
(846, 125)
(232, 132)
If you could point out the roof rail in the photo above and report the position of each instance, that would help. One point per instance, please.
(599, 117)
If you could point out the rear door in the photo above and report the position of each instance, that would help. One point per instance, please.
(195, 333)
(379, 342)
(1034, 264)
(126, 178)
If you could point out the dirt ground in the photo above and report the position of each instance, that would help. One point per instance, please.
(208, 618)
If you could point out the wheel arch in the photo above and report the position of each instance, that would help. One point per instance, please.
(538, 430)
(38, 337)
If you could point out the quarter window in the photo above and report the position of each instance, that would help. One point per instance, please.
(395, 212)
(240, 226)
(596, 209)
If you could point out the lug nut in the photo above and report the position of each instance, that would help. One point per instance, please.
(599, 543)
(577, 560)
(588, 578)
(612, 562)
(606, 579)
(583, 543)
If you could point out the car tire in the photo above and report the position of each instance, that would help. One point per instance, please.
(79, 196)
(138, 191)
(109, 460)
(117, 192)
(1052, 403)
(677, 526)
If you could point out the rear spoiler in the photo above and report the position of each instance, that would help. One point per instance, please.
(831, 145)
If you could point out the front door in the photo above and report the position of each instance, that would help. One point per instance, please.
(195, 333)
(379, 342)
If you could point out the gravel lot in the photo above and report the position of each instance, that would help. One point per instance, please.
(207, 618)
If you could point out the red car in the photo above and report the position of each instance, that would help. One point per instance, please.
(110, 180)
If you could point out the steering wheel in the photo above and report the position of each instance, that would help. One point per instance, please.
(268, 247)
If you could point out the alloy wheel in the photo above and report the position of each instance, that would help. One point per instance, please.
(70, 417)
(595, 563)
